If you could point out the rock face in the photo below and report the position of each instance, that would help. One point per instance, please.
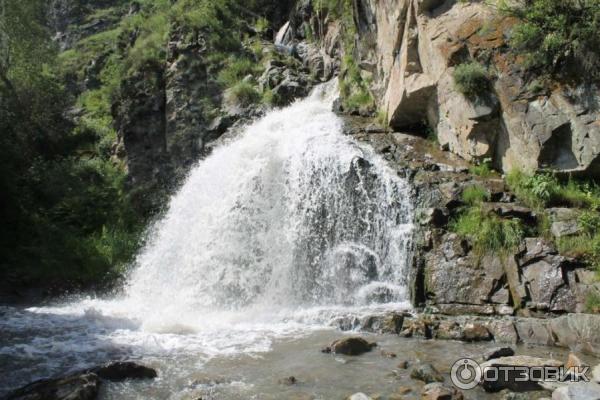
(411, 48)
(568, 331)
(447, 274)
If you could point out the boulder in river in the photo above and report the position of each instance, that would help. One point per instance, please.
(511, 379)
(426, 373)
(121, 370)
(351, 346)
(84, 385)
(498, 352)
(437, 391)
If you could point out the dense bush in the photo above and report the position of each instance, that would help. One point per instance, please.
(559, 36)
(471, 79)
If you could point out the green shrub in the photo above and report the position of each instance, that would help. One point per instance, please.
(262, 25)
(269, 98)
(475, 194)
(483, 169)
(592, 303)
(535, 191)
(358, 100)
(589, 221)
(471, 79)
(244, 93)
(236, 70)
(556, 35)
(488, 232)
(579, 194)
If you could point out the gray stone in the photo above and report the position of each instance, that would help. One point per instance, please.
(577, 391)
(74, 387)
(564, 221)
(358, 396)
(543, 278)
(509, 380)
(351, 346)
(498, 352)
(437, 391)
(534, 331)
(503, 331)
(122, 370)
(426, 373)
(577, 331)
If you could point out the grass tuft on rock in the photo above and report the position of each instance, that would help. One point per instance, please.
(475, 194)
(471, 79)
(244, 93)
(488, 232)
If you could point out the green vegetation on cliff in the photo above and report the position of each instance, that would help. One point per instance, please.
(540, 191)
(70, 214)
(559, 36)
(65, 211)
(486, 231)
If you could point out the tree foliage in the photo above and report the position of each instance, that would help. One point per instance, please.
(559, 36)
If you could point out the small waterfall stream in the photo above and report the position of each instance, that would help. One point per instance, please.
(275, 233)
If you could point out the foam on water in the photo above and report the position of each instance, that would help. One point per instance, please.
(273, 235)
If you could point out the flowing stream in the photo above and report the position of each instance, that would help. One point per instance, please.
(274, 235)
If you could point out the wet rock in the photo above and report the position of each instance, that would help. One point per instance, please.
(475, 332)
(449, 330)
(534, 331)
(503, 331)
(74, 387)
(288, 381)
(516, 396)
(573, 361)
(388, 354)
(511, 380)
(596, 374)
(426, 373)
(83, 385)
(498, 352)
(417, 327)
(577, 331)
(437, 391)
(122, 370)
(352, 346)
(578, 391)
(389, 323)
(435, 217)
(358, 396)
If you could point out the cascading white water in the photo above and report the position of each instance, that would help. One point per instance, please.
(275, 233)
(292, 213)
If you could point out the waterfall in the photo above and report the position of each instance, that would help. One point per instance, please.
(293, 213)
(276, 233)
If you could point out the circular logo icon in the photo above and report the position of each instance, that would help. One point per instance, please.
(465, 374)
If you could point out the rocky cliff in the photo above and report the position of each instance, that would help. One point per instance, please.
(412, 49)
(407, 52)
